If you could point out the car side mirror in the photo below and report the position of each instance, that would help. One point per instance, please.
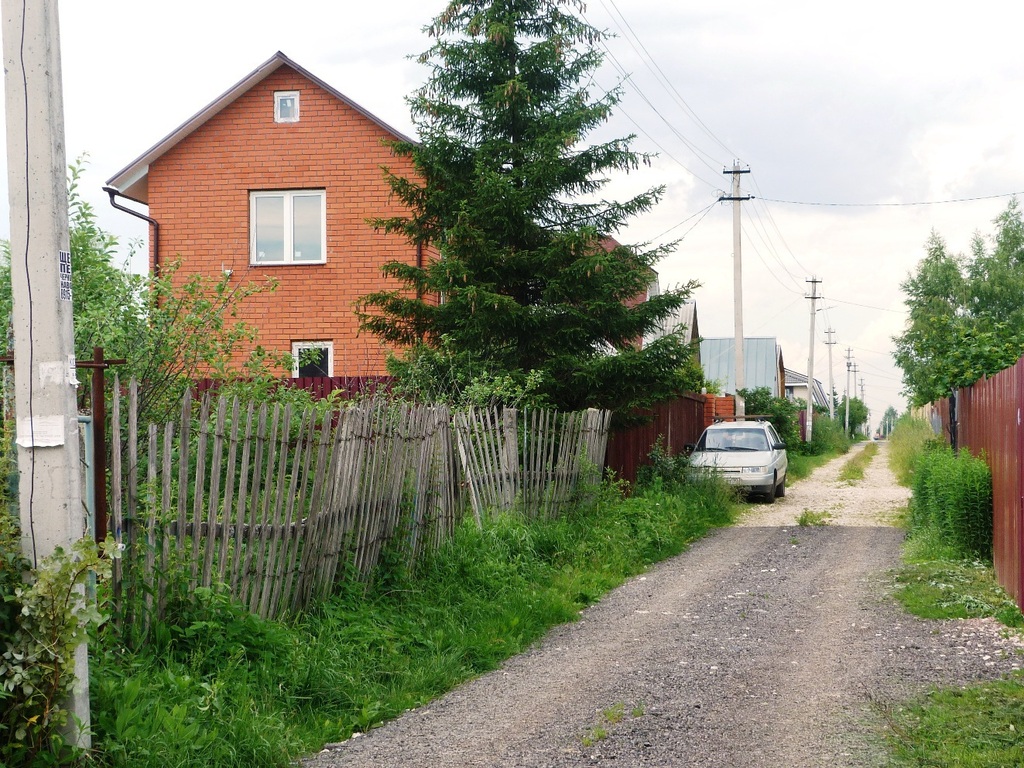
(779, 447)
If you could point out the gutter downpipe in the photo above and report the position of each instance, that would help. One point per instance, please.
(152, 222)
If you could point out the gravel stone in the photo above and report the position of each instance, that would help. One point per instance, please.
(764, 644)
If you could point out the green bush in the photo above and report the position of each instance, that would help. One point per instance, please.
(663, 468)
(952, 496)
(784, 414)
(827, 437)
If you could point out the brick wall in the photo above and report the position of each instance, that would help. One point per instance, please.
(199, 193)
(718, 408)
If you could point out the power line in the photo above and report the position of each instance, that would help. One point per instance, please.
(702, 213)
(868, 306)
(895, 205)
(662, 78)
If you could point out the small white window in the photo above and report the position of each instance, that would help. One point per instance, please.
(312, 359)
(288, 227)
(286, 106)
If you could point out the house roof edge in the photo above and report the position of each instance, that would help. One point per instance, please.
(134, 175)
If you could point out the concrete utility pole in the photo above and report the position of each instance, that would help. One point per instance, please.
(854, 370)
(44, 353)
(829, 333)
(737, 280)
(814, 281)
(849, 363)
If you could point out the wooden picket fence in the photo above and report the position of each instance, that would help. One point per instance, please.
(274, 505)
(538, 464)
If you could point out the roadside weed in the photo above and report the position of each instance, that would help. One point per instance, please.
(614, 715)
(809, 517)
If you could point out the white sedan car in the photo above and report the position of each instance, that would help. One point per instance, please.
(747, 454)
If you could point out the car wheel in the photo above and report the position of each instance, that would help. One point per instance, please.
(780, 489)
(769, 498)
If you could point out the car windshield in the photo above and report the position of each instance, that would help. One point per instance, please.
(733, 440)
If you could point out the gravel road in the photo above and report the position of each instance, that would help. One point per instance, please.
(765, 644)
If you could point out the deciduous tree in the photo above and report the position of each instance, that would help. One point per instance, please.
(965, 316)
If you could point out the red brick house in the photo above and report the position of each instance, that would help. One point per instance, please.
(276, 178)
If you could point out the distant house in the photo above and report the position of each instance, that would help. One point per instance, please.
(276, 178)
(796, 388)
(762, 364)
(685, 318)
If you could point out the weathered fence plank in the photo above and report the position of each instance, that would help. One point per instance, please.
(271, 504)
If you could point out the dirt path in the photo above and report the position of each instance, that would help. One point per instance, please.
(765, 644)
(875, 500)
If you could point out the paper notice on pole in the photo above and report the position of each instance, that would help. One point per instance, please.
(65, 275)
(41, 432)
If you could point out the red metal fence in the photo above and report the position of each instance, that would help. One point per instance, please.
(678, 421)
(988, 416)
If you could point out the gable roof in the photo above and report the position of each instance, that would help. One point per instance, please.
(795, 379)
(683, 317)
(132, 180)
(762, 363)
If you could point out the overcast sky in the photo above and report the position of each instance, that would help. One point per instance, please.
(860, 112)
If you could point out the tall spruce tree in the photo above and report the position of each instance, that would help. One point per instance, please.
(506, 201)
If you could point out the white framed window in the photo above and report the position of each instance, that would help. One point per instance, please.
(286, 106)
(312, 358)
(288, 227)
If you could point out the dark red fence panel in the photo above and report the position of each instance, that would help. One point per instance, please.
(989, 415)
(678, 422)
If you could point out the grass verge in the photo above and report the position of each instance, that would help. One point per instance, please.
(800, 466)
(853, 469)
(978, 726)
(218, 687)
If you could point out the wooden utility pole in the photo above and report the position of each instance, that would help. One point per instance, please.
(737, 281)
(50, 496)
(814, 281)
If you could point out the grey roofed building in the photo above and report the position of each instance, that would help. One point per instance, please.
(762, 364)
(796, 388)
(684, 317)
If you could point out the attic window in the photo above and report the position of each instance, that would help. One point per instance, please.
(286, 106)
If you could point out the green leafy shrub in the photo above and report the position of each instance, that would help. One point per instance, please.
(827, 437)
(952, 496)
(40, 641)
(782, 413)
(663, 468)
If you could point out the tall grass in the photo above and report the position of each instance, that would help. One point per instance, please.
(223, 688)
(906, 444)
(952, 497)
